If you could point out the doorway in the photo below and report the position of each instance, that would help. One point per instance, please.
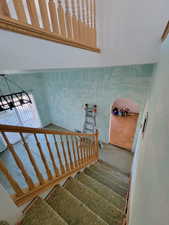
(123, 122)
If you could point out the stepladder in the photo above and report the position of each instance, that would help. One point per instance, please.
(90, 118)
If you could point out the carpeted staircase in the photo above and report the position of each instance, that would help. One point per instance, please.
(96, 196)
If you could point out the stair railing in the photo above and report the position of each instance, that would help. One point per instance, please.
(43, 159)
(70, 22)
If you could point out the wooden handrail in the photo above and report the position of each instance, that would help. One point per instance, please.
(67, 153)
(63, 21)
(166, 32)
(30, 130)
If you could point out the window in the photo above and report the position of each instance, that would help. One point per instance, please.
(25, 115)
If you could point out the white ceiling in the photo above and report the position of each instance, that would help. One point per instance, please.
(129, 33)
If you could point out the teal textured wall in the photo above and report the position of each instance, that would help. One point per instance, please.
(60, 95)
(69, 90)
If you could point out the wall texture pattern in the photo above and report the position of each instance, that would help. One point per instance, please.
(61, 95)
(69, 90)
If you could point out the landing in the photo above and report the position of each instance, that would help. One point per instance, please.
(117, 157)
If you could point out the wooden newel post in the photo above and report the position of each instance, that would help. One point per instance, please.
(97, 144)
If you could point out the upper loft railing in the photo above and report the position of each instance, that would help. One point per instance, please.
(69, 22)
(42, 159)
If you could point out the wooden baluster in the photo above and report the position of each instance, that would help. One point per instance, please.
(44, 14)
(78, 152)
(84, 149)
(64, 153)
(73, 149)
(68, 20)
(49, 174)
(95, 139)
(87, 148)
(94, 22)
(97, 144)
(33, 12)
(81, 150)
(74, 21)
(88, 24)
(1, 12)
(19, 162)
(79, 22)
(69, 153)
(61, 15)
(59, 156)
(84, 21)
(11, 180)
(4, 10)
(54, 17)
(20, 11)
(91, 13)
(92, 147)
(87, 13)
(29, 152)
(52, 156)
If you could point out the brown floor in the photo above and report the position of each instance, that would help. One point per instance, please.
(122, 130)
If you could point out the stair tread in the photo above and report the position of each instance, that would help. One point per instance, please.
(111, 168)
(104, 180)
(40, 213)
(103, 190)
(114, 171)
(94, 201)
(110, 175)
(71, 209)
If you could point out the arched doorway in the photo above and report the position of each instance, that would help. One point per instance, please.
(123, 121)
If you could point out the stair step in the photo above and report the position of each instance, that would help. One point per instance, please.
(95, 202)
(102, 190)
(104, 180)
(40, 213)
(71, 209)
(111, 176)
(111, 168)
(117, 175)
(108, 176)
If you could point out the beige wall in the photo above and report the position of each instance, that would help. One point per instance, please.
(150, 184)
(8, 210)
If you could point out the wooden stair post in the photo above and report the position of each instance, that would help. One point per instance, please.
(33, 13)
(54, 16)
(4, 10)
(19, 162)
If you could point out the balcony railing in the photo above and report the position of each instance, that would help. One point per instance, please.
(69, 22)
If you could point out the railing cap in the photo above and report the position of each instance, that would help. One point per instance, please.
(19, 129)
